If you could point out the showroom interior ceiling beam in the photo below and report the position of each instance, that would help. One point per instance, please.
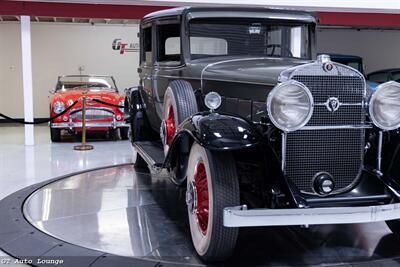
(92, 21)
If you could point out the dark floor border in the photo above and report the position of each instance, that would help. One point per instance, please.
(31, 246)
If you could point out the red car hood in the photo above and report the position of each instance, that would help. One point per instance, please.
(71, 95)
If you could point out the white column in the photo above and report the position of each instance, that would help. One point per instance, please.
(27, 78)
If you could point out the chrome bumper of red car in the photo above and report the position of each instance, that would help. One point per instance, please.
(241, 217)
(73, 125)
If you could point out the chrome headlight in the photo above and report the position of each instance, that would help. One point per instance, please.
(121, 103)
(212, 100)
(58, 107)
(290, 105)
(384, 106)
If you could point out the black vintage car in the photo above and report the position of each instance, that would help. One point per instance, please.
(233, 106)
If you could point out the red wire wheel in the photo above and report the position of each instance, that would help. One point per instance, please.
(200, 179)
(170, 125)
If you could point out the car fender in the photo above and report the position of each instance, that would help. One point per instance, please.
(217, 131)
(214, 131)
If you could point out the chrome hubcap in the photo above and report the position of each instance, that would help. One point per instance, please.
(191, 197)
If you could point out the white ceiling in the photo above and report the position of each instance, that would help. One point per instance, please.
(72, 20)
(372, 6)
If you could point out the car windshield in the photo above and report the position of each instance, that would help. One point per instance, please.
(92, 83)
(249, 37)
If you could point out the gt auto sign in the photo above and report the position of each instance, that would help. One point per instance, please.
(122, 47)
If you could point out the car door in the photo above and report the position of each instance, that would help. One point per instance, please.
(146, 70)
(168, 61)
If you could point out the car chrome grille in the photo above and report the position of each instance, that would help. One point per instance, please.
(349, 91)
(93, 114)
(321, 147)
(338, 152)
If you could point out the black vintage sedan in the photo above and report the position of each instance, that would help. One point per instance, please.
(233, 106)
(382, 76)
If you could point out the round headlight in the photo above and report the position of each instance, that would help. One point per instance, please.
(212, 100)
(121, 103)
(384, 106)
(58, 107)
(290, 105)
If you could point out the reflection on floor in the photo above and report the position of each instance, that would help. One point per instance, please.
(129, 212)
(21, 166)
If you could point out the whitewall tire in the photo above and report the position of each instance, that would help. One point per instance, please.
(212, 185)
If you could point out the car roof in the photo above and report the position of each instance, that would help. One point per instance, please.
(239, 12)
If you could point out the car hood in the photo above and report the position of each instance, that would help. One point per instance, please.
(72, 95)
(247, 70)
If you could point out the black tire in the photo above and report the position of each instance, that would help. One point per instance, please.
(179, 97)
(113, 134)
(55, 134)
(123, 132)
(217, 243)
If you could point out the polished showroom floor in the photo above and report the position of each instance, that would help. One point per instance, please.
(126, 211)
(21, 166)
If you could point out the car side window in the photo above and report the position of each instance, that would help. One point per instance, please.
(396, 76)
(379, 77)
(168, 44)
(147, 51)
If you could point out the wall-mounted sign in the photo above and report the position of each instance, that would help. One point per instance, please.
(122, 47)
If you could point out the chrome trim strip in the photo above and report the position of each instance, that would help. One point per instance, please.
(336, 127)
(284, 136)
(341, 104)
(239, 216)
(110, 110)
(72, 125)
(379, 156)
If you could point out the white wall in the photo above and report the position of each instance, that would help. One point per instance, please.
(59, 49)
(379, 49)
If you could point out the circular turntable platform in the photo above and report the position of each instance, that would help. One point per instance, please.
(127, 217)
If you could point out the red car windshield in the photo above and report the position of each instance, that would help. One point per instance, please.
(66, 83)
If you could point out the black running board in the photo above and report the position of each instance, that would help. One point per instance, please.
(152, 152)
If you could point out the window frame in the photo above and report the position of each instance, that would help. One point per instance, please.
(177, 20)
(310, 35)
(144, 26)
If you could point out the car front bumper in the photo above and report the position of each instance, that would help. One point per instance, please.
(74, 125)
(239, 216)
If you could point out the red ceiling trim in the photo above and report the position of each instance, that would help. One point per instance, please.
(137, 12)
(360, 19)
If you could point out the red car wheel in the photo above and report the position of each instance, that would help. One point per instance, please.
(212, 185)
